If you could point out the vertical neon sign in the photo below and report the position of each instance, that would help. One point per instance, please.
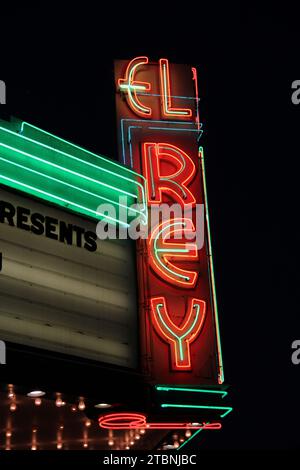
(159, 130)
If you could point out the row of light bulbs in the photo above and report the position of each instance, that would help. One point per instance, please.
(37, 396)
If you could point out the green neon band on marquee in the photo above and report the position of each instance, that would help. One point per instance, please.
(227, 409)
(50, 168)
(166, 388)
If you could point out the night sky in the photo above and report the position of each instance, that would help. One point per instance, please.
(58, 68)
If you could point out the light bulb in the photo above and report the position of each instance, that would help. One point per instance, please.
(176, 444)
(85, 444)
(188, 433)
(13, 407)
(38, 401)
(88, 423)
(81, 404)
(8, 434)
(110, 442)
(142, 431)
(59, 445)
(58, 401)
(33, 447)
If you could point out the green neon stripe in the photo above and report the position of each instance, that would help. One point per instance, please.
(63, 168)
(163, 388)
(87, 152)
(190, 438)
(115, 174)
(202, 407)
(98, 196)
(216, 315)
(179, 338)
(45, 161)
(166, 250)
(95, 213)
(132, 87)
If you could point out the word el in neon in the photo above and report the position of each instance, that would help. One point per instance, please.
(132, 87)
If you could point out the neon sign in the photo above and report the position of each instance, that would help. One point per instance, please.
(121, 421)
(159, 131)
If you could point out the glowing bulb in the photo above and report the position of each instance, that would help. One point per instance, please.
(8, 434)
(61, 427)
(73, 408)
(176, 444)
(38, 401)
(59, 445)
(127, 447)
(85, 444)
(58, 401)
(13, 407)
(142, 431)
(137, 437)
(110, 442)
(181, 439)
(34, 430)
(88, 423)
(11, 391)
(33, 447)
(81, 404)
(188, 433)
(131, 443)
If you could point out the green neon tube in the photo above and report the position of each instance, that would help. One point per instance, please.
(227, 409)
(60, 172)
(211, 264)
(165, 388)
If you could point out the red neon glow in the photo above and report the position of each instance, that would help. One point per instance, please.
(195, 78)
(173, 184)
(162, 252)
(179, 338)
(168, 111)
(117, 421)
(132, 87)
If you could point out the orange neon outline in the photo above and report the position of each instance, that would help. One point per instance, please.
(162, 153)
(169, 339)
(133, 83)
(167, 103)
(187, 226)
(117, 421)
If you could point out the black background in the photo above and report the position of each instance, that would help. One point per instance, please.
(58, 68)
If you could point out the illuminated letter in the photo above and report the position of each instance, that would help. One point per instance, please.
(162, 252)
(175, 183)
(131, 87)
(168, 111)
(179, 339)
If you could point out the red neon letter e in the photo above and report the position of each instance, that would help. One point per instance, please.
(131, 87)
(179, 339)
(174, 184)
